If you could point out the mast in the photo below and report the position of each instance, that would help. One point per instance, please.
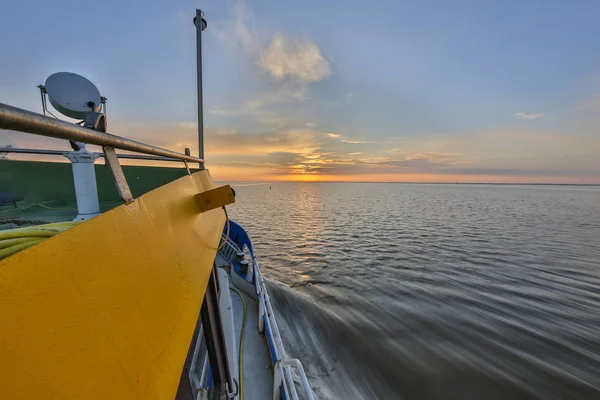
(200, 24)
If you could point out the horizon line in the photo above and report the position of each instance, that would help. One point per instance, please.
(419, 183)
(331, 181)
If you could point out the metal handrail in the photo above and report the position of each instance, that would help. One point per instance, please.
(17, 119)
(19, 150)
(295, 363)
(284, 365)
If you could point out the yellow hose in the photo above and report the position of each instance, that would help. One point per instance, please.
(241, 364)
(14, 240)
(9, 251)
(35, 232)
(11, 242)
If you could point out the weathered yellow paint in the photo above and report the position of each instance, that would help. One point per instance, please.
(107, 309)
(217, 197)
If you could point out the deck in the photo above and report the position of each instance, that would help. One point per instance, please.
(256, 362)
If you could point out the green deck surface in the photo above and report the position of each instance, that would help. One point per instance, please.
(50, 195)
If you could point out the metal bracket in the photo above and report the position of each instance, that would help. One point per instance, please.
(233, 395)
(215, 198)
(187, 167)
(110, 155)
(95, 121)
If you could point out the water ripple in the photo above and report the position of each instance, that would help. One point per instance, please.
(399, 291)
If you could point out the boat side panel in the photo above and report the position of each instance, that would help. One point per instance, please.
(239, 235)
(107, 309)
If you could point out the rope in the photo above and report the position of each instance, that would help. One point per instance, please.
(52, 208)
(241, 364)
(22, 221)
(42, 204)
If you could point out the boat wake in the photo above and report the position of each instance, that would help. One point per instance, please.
(346, 355)
(325, 344)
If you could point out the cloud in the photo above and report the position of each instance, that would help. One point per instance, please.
(438, 157)
(233, 142)
(426, 161)
(218, 111)
(294, 153)
(294, 58)
(265, 108)
(284, 57)
(279, 70)
(507, 155)
(187, 125)
(354, 141)
(396, 150)
(247, 108)
(347, 140)
(523, 115)
(239, 31)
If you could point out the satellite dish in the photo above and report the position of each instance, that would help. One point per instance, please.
(73, 95)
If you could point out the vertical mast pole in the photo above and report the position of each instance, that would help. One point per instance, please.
(200, 26)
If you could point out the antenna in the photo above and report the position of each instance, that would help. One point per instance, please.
(76, 97)
(72, 95)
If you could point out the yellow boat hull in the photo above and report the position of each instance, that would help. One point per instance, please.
(107, 309)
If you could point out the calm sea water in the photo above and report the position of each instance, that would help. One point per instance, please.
(401, 291)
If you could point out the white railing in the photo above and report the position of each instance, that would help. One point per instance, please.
(284, 365)
(283, 375)
(287, 364)
(229, 250)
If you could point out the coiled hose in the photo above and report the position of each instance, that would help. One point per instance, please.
(15, 240)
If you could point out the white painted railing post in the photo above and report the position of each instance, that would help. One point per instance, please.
(84, 179)
(277, 380)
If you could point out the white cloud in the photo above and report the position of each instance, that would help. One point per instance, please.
(239, 31)
(294, 58)
(264, 107)
(523, 115)
(352, 141)
(283, 68)
(346, 139)
(284, 57)
(396, 150)
(218, 111)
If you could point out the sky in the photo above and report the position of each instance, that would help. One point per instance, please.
(389, 90)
